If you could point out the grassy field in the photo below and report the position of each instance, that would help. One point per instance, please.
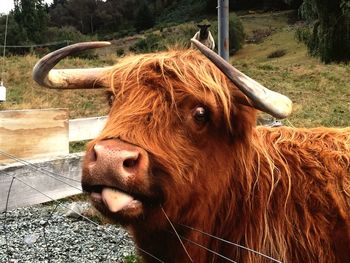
(321, 93)
(24, 93)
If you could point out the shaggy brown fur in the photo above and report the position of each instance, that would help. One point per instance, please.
(281, 191)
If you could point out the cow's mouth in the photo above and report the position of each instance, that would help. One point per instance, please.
(114, 202)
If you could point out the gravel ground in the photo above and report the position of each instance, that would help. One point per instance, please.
(33, 235)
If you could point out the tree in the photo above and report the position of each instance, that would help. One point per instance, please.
(31, 16)
(57, 2)
(254, 4)
(93, 16)
(144, 18)
(15, 34)
(329, 31)
(60, 16)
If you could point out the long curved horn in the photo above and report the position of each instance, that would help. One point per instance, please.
(44, 75)
(262, 98)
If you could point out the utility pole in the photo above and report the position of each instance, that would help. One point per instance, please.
(223, 28)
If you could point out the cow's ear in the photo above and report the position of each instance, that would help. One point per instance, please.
(239, 98)
(243, 114)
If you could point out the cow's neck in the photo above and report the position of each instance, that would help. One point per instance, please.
(165, 245)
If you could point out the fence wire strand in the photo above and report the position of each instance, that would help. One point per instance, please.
(231, 243)
(205, 248)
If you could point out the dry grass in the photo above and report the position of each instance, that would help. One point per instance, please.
(24, 93)
(265, 21)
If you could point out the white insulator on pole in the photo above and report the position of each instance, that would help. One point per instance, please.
(2, 92)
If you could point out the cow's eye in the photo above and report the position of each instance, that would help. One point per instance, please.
(201, 115)
(110, 98)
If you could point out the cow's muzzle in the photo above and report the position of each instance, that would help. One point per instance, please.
(115, 175)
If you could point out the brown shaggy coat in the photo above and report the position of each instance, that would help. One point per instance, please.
(284, 192)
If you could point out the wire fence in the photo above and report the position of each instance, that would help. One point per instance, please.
(39, 49)
(45, 233)
(63, 42)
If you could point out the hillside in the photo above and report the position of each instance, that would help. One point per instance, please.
(321, 93)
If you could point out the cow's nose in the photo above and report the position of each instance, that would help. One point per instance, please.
(116, 158)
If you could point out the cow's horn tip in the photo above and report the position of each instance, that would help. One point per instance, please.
(100, 44)
(106, 43)
(285, 110)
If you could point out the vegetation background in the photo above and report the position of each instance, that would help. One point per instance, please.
(274, 41)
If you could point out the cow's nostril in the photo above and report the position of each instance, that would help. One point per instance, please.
(130, 162)
(91, 155)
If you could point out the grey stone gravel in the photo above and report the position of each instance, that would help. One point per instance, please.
(34, 235)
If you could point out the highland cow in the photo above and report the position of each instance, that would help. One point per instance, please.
(181, 157)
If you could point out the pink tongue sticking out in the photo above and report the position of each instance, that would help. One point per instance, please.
(115, 200)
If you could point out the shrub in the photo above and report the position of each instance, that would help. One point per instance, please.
(179, 36)
(172, 37)
(67, 33)
(259, 35)
(150, 43)
(41, 51)
(302, 33)
(277, 53)
(236, 33)
(120, 52)
(306, 34)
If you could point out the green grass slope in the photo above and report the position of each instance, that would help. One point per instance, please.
(320, 93)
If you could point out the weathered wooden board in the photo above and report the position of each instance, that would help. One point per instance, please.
(33, 133)
(86, 128)
(56, 178)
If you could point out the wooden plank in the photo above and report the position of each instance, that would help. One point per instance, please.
(33, 133)
(57, 178)
(86, 128)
